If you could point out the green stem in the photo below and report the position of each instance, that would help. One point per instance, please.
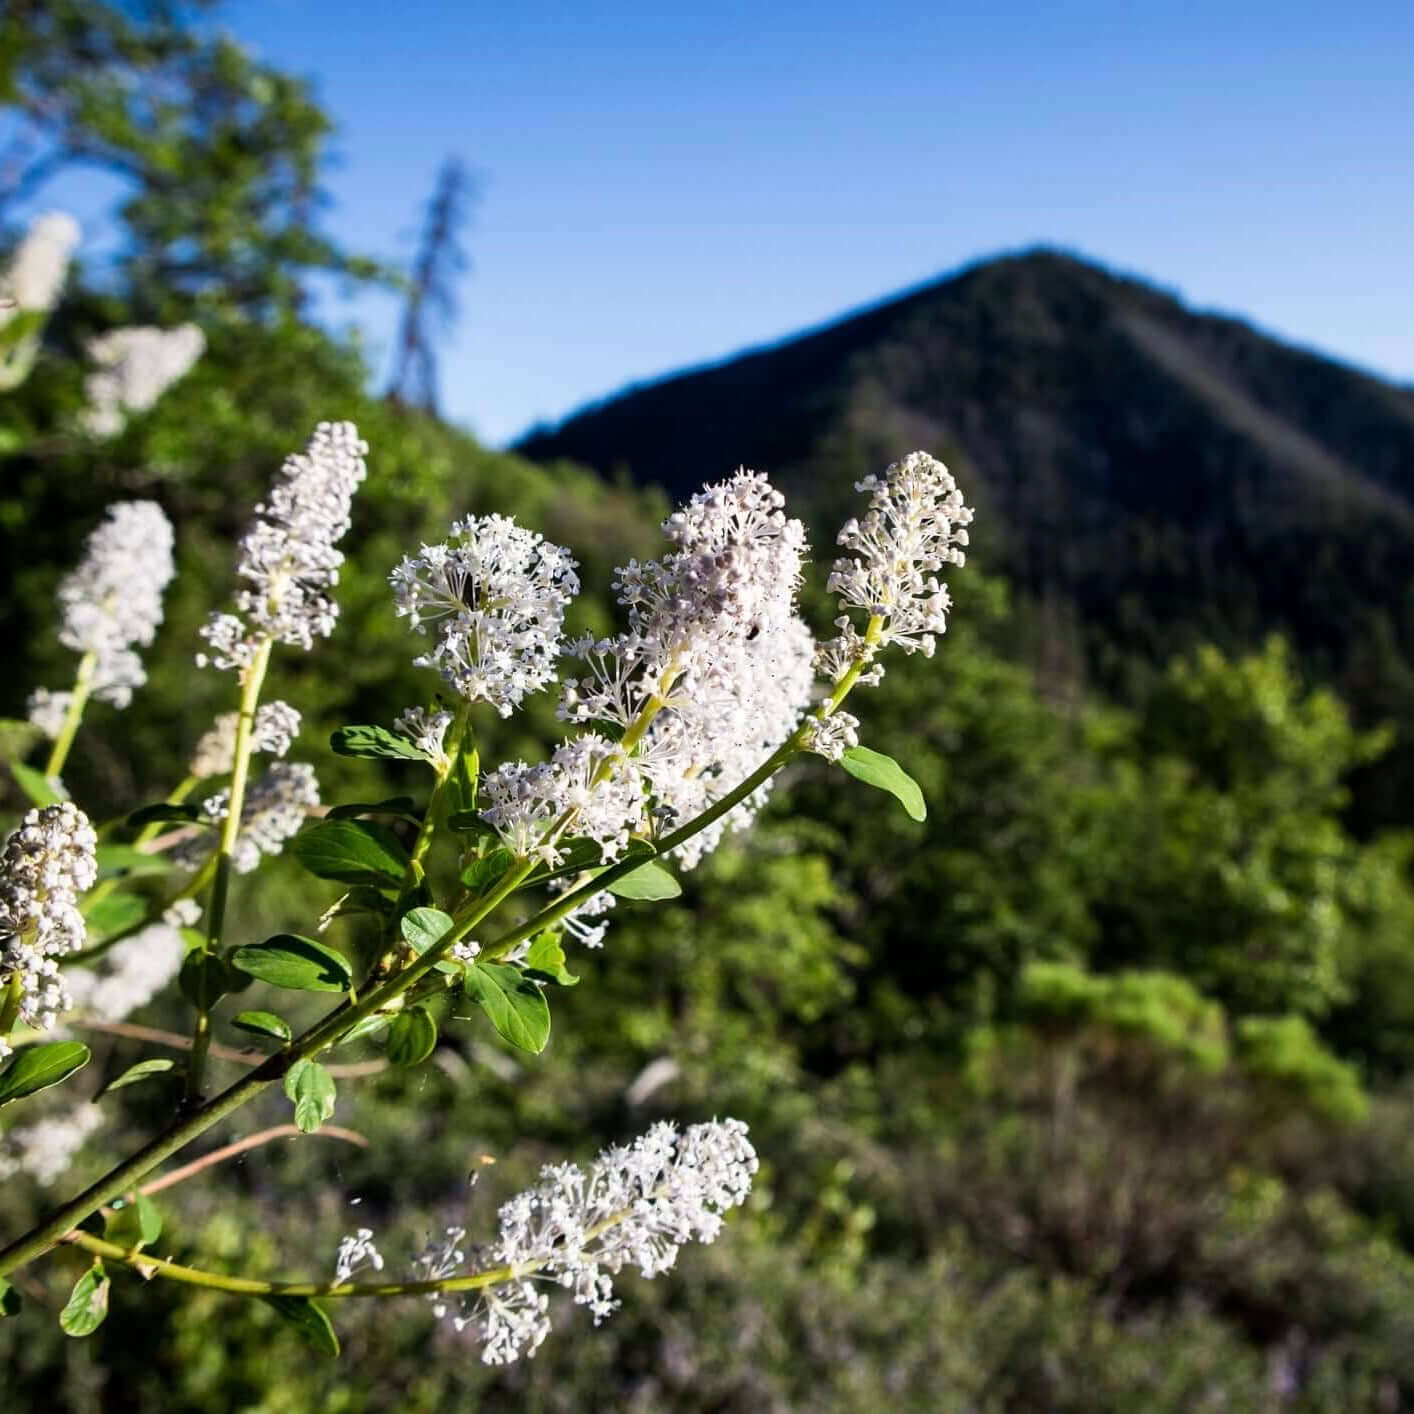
(78, 700)
(254, 1286)
(252, 680)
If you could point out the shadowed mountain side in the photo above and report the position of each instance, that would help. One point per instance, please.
(1149, 475)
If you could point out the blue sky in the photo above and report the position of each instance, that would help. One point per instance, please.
(666, 183)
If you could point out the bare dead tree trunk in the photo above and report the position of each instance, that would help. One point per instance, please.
(432, 308)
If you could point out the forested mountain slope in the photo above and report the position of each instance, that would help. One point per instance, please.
(1149, 475)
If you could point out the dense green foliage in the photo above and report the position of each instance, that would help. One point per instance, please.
(1093, 1091)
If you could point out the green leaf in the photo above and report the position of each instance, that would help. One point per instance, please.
(884, 773)
(353, 852)
(36, 1068)
(115, 914)
(88, 1303)
(9, 1299)
(309, 1319)
(469, 822)
(204, 979)
(296, 963)
(262, 1023)
(546, 960)
(412, 1037)
(141, 1071)
(481, 875)
(136, 1223)
(163, 811)
(516, 1006)
(422, 927)
(649, 882)
(124, 861)
(41, 789)
(374, 741)
(368, 1026)
(313, 1092)
(395, 805)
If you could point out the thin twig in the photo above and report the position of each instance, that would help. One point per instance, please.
(173, 1041)
(251, 1141)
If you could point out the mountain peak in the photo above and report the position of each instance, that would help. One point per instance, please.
(1164, 472)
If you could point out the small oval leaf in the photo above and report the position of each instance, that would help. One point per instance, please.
(262, 1023)
(649, 882)
(88, 1303)
(516, 1006)
(545, 962)
(296, 963)
(313, 1092)
(482, 874)
(371, 741)
(412, 1037)
(143, 1070)
(36, 1068)
(884, 773)
(352, 852)
(422, 927)
(309, 1319)
(135, 1222)
(204, 978)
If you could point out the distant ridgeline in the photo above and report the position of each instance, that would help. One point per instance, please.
(1149, 476)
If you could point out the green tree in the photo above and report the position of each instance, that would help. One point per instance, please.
(221, 155)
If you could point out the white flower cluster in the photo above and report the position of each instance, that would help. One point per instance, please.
(356, 1253)
(742, 705)
(496, 595)
(132, 972)
(111, 601)
(711, 674)
(588, 785)
(832, 736)
(276, 725)
(135, 367)
(731, 580)
(585, 923)
(275, 807)
(36, 273)
(427, 731)
(288, 562)
(635, 1206)
(46, 864)
(916, 524)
